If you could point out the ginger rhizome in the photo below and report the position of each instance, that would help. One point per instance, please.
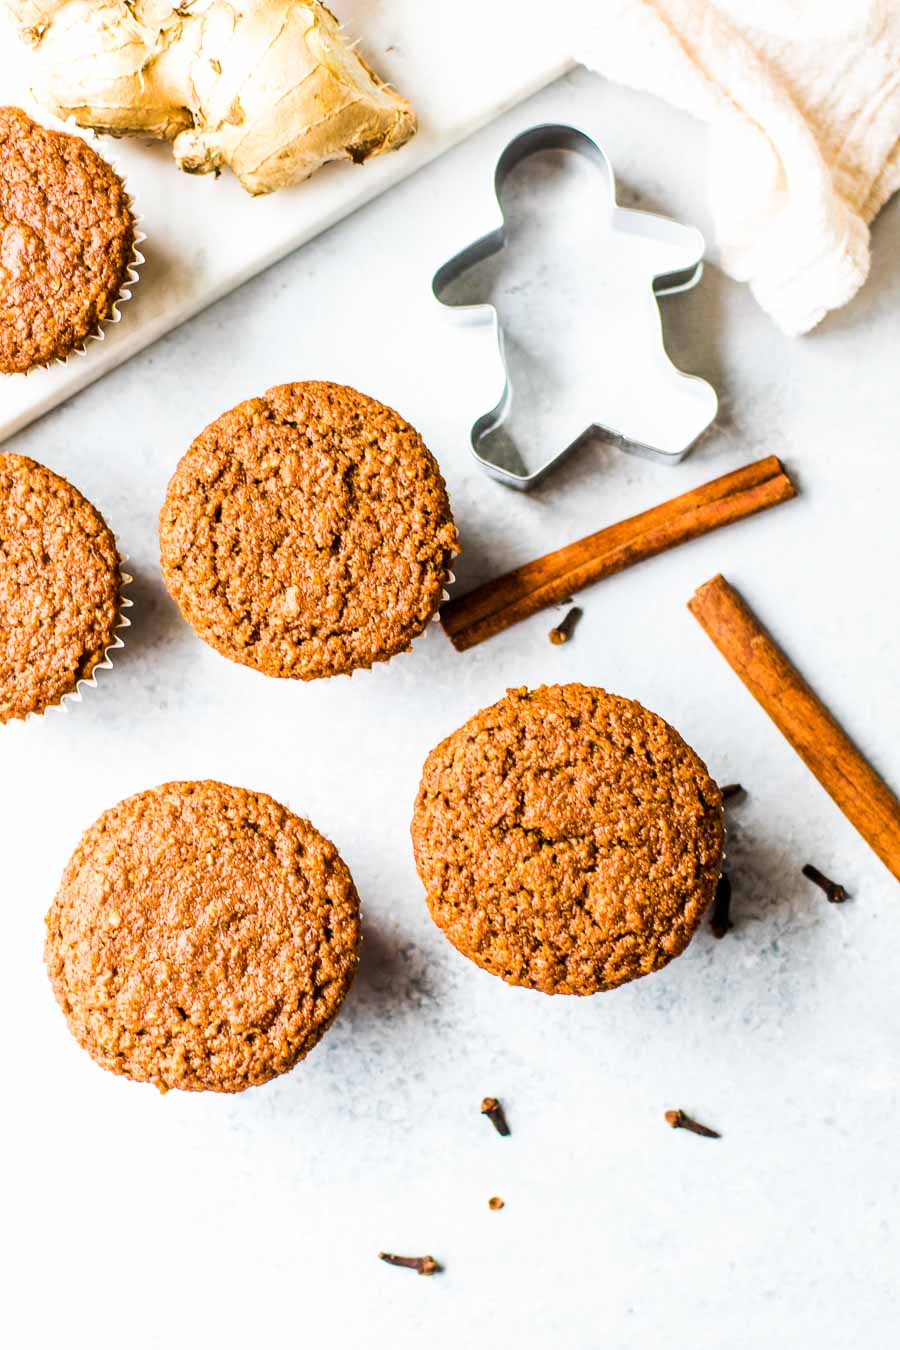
(268, 88)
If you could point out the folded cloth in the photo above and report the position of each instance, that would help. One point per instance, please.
(802, 98)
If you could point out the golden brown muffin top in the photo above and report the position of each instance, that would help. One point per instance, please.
(66, 241)
(60, 580)
(203, 936)
(307, 532)
(568, 840)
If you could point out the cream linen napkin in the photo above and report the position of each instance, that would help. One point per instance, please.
(802, 98)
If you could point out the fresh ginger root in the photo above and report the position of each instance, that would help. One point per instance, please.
(268, 88)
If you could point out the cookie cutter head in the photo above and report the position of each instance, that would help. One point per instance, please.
(638, 397)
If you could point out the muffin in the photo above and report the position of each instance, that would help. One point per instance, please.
(60, 584)
(308, 533)
(568, 840)
(67, 239)
(203, 937)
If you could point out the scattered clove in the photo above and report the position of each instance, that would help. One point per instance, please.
(503, 601)
(495, 1202)
(425, 1265)
(491, 1108)
(833, 890)
(731, 790)
(720, 921)
(566, 627)
(680, 1121)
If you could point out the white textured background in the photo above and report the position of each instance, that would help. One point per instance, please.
(196, 1220)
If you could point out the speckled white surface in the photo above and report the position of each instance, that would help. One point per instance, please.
(184, 1221)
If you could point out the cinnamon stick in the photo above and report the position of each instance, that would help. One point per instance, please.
(801, 717)
(498, 604)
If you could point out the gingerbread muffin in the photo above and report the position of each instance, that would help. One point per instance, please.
(60, 584)
(568, 840)
(203, 937)
(308, 532)
(67, 239)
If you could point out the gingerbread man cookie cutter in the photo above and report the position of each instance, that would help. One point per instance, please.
(640, 398)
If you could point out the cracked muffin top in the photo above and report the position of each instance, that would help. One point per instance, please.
(307, 532)
(66, 241)
(60, 582)
(203, 937)
(568, 840)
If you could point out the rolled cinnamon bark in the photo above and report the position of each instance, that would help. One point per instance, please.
(498, 604)
(801, 717)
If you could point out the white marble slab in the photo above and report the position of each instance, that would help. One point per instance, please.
(200, 1221)
(460, 65)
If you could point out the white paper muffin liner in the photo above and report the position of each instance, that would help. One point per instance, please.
(122, 622)
(75, 695)
(445, 596)
(449, 579)
(132, 277)
(132, 273)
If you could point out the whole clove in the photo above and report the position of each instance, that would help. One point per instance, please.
(491, 1108)
(720, 920)
(731, 790)
(834, 891)
(496, 1202)
(680, 1121)
(498, 604)
(424, 1265)
(566, 627)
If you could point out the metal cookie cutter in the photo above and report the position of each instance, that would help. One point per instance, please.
(635, 394)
